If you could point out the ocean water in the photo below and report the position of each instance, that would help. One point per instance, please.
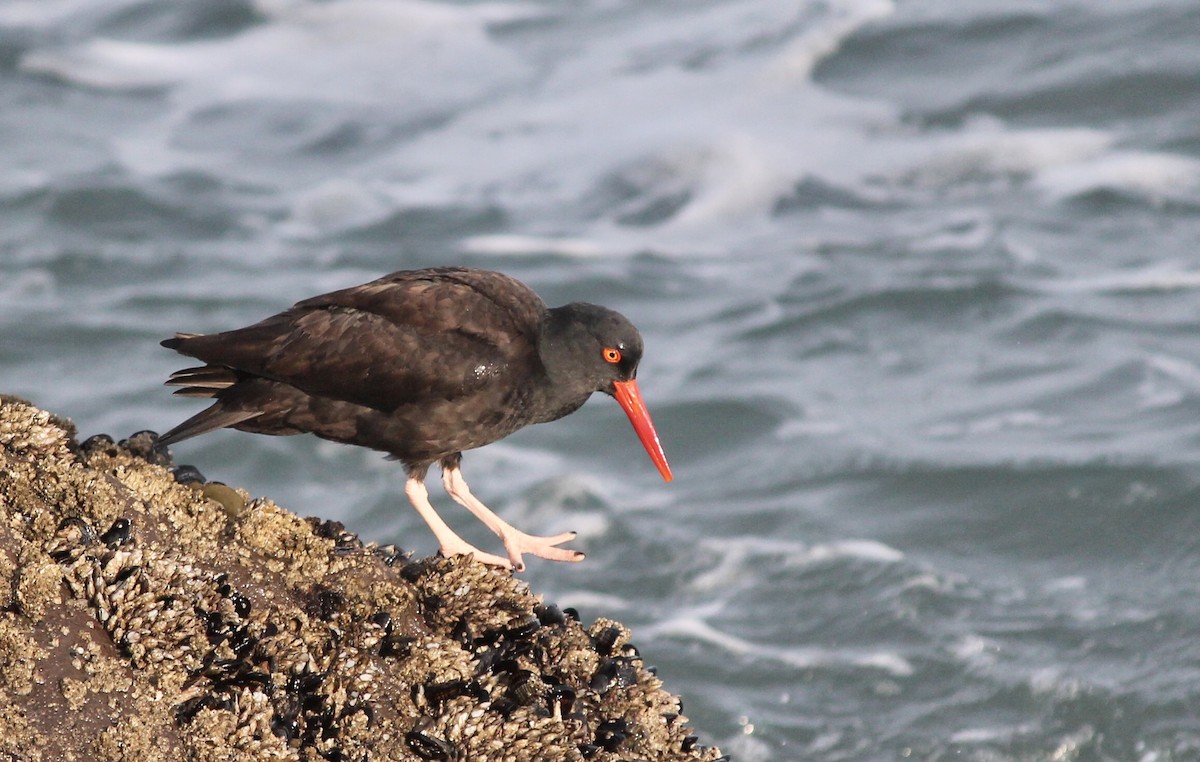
(919, 284)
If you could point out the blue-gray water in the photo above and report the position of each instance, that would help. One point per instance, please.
(919, 283)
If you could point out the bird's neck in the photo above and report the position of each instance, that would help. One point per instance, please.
(566, 386)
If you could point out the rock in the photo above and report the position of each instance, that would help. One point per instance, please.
(145, 617)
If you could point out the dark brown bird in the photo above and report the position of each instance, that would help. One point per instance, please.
(422, 365)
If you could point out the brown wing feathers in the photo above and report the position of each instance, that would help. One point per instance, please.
(402, 338)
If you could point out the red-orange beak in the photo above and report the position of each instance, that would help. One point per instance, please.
(630, 399)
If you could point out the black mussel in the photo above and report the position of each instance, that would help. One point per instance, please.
(328, 603)
(99, 443)
(117, 534)
(507, 667)
(187, 710)
(562, 698)
(504, 706)
(383, 620)
(522, 631)
(604, 640)
(126, 573)
(610, 734)
(617, 672)
(286, 726)
(396, 645)
(241, 604)
(242, 642)
(389, 554)
(524, 688)
(476, 691)
(85, 534)
(306, 682)
(187, 474)
(438, 693)
(430, 747)
(329, 529)
(463, 634)
(550, 615)
(144, 444)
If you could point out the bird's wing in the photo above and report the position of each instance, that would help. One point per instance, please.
(404, 338)
(479, 303)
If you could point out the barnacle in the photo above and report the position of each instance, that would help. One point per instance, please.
(160, 616)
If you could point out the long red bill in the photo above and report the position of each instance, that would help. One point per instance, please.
(630, 399)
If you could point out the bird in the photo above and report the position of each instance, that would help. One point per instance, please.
(421, 365)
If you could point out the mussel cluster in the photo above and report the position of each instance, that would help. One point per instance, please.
(362, 654)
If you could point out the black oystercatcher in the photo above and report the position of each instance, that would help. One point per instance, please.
(422, 365)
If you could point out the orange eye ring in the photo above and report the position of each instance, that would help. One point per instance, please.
(612, 355)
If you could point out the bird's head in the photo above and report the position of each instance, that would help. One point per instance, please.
(595, 349)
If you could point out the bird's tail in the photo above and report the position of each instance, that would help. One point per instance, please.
(177, 339)
(204, 381)
(209, 419)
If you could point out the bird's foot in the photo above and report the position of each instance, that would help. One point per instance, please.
(517, 543)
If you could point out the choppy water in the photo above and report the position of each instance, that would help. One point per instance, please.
(919, 284)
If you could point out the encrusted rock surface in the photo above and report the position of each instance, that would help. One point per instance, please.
(146, 615)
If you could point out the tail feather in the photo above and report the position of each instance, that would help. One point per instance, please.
(214, 377)
(204, 381)
(177, 339)
(195, 391)
(209, 419)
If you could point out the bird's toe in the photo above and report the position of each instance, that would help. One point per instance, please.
(518, 543)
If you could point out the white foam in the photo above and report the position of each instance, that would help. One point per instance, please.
(982, 735)
(992, 424)
(1070, 584)
(737, 558)
(801, 428)
(730, 138)
(796, 63)
(710, 113)
(347, 51)
(1167, 382)
(587, 600)
(866, 550)
(410, 58)
(40, 14)
(984, 147)
(694, 628)
(502, 245)
(1159, 276)
(1156, 178)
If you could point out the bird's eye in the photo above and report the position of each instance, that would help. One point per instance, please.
(612, 355)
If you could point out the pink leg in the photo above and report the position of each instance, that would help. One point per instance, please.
(515, 541)
(451, 543)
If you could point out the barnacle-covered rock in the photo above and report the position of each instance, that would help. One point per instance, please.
(147, 614)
